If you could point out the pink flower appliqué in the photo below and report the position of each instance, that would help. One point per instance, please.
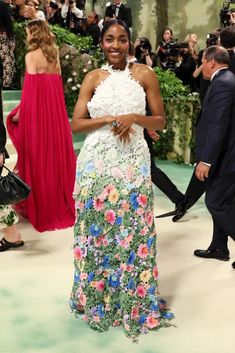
(152, 322)
(99, 166)
(143, 251)
(155, 272)
(116, 323)
(109, 188)
(96, 318)
(141, 291)
(99, 285)
(142, 200)
(98, 204)
(139, 211)
(110, 216)
(103, 195)
(78, 253)
(144, 231)
(82, 299)
(117, 173)
(83, 275)
(149, 218)
(134, 313)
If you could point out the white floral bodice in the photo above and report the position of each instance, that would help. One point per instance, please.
(118, 94)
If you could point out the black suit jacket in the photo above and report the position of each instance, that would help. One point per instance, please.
(124, 13)
(215, 130)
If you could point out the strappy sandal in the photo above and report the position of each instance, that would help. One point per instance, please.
(6, 245)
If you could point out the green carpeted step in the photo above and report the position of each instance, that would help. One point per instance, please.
(11, 95)
(8, 105)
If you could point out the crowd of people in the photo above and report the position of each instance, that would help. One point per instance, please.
(109, 198)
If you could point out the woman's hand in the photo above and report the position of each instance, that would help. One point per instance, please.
(125, 136)
(124, 122)
(154, 136)
(122, 127)
(1, 159)
(16, 117)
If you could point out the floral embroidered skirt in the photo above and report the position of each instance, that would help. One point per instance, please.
(7, 216)
(116, 277)
(7, 47)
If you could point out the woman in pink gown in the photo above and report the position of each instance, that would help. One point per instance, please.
(40, 131)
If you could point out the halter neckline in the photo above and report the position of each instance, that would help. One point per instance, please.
(111, 69)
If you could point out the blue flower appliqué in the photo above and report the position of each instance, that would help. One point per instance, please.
(95, 230)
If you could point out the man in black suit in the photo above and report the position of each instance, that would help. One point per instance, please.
(119, 11)
(90, 28)
(196, 188)
(215, 150)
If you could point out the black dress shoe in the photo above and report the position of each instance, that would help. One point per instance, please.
(179, 214)
(217, 254)
(233, 265)
(181, 209)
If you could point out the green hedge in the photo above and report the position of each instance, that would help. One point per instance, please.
(181, 108)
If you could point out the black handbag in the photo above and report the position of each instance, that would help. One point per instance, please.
(12, 188)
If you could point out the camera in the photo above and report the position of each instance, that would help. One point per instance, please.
(211, 39)
(173, 48)
(145, 44)
(171, 52)
(225, 12)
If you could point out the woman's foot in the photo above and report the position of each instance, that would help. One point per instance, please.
(11, 238)
(6, 245)
(11, 234)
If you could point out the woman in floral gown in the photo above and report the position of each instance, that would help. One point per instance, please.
(115, 280)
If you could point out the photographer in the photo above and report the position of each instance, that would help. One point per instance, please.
(162, 52)
(53, 13)
(119, 11)
(227, 14)
(71, 15)
(227, 40)
(89, 27)
(143, 53)
(200, 84)
(186, 68)
(81, 4)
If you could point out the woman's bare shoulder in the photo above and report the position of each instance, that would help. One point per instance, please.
(34, 53)
(142, 69)
(94, 77)
(142, 73)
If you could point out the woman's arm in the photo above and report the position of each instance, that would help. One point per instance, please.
(30, 65)
(197, 71)
(80, 121)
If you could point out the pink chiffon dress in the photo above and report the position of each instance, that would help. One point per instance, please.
(46, 158)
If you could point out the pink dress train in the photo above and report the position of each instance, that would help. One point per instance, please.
(46, 159)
